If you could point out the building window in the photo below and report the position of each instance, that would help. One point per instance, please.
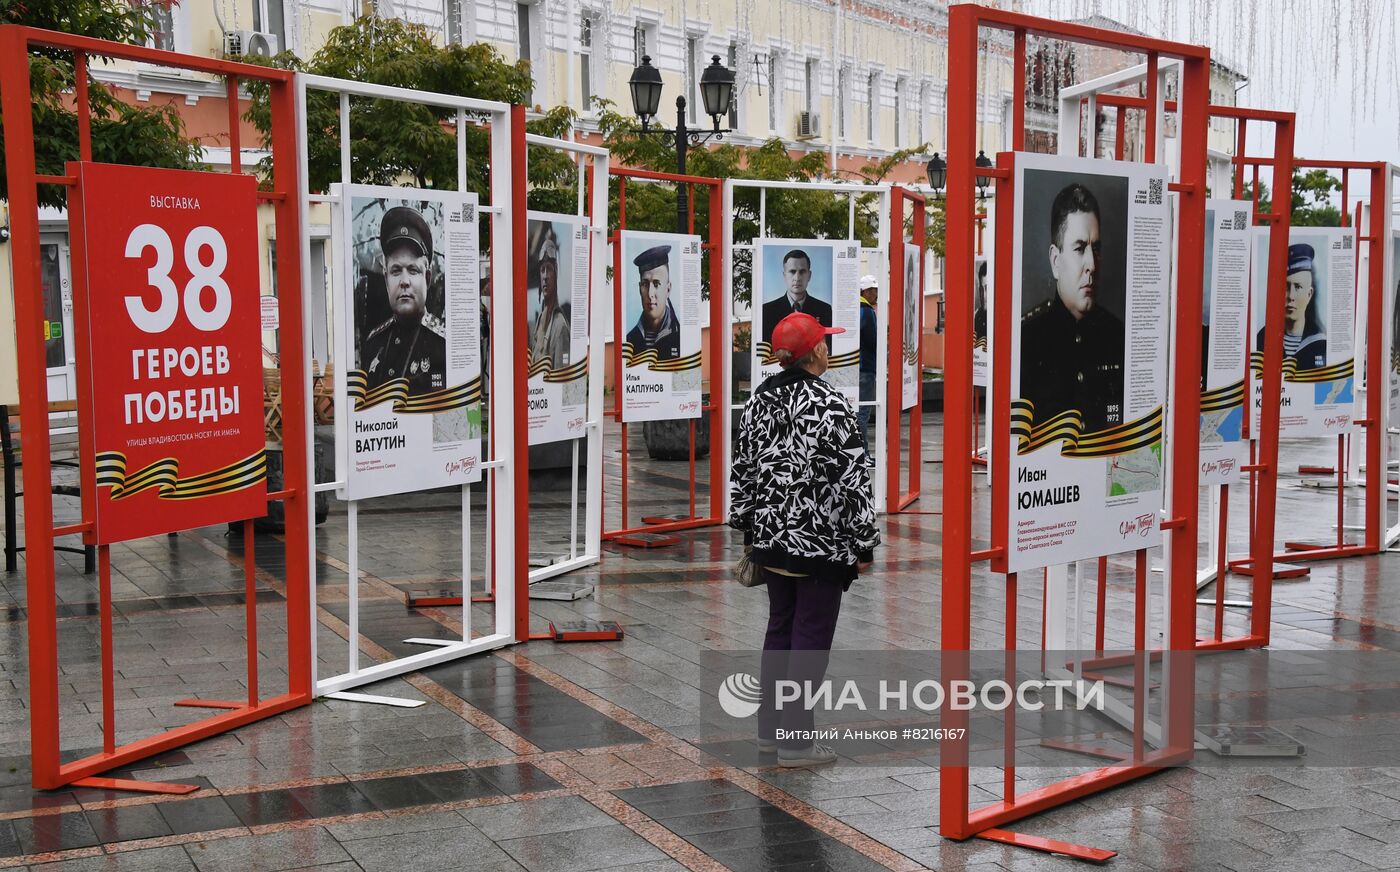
(843, 87)
(872, 107)
(639, 44)
(162, 23)
(775, 89)
(899, 120)
(921, 114)
(585, 62)
(734, 103)
(268, 17)
(454, 22)
(692, 79)
(523, 20)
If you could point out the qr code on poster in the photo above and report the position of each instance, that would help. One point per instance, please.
(1241, 219)
(576, 391)
(1154, 192)
(1346, 243)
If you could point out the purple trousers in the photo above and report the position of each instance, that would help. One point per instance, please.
(802, 616)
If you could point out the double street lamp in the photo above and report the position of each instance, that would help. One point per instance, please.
(938, 173)
(717, 94)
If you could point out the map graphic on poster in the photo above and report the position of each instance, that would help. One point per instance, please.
(172, 334)
(913, 326)
(556, 258)
(411, 312)
(1393, 344)
(1224, 340)
(1090, 289)
(1317, 295)
(820, 276)
(660, 301)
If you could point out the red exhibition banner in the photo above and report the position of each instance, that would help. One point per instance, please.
(173, 316)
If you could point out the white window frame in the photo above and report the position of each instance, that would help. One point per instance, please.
(901, 124)
(589, 87)
(776, 75)
(872, 107)
(735, 53)
(923, 112)
(842, 101)
(694, 53)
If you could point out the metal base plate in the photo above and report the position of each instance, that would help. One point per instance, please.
(665, 519)
(585, 631)
(540, 558)
(560, 590)
(647, 540)
(1281, 570)
(1228, 740)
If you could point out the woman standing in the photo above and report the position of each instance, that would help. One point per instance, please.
(802, 497)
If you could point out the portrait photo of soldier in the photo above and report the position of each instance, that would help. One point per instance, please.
(1304, 334)
(1074, 262)
(796, 280)
(979, 303)
(550, 281)
(397, 336)
(657, 327)
(912, 293)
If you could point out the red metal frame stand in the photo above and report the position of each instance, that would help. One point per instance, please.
(897, 498)
(1374, 483)
(647, 534)
(956, 819)
(15, 101)
(1263, 466)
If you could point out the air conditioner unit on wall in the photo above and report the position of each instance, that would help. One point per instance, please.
(809, 125)
(249, 44)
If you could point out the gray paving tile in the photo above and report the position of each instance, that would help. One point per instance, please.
(272, 852)
(462, 847)
(537, 817)
(582, 850)
(172, 859)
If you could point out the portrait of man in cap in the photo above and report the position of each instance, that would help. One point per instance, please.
(796, 276)
(549, 335)
(657, 326)
(405, 346)
(1072, 347)
(1304, 339)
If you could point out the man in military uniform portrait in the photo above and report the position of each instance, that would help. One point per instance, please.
(1071, 347)
(657, 327)
(549, 335)
(404, 346)
(797, 274)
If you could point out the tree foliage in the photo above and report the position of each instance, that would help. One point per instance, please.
(393, 141)
(809, 214)
(121, 133)
(1311, 199)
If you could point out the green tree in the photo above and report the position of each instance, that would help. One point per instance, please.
(1311, 199)
(121, 133)
(392, 141)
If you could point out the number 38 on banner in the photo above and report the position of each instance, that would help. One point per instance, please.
(170, 259)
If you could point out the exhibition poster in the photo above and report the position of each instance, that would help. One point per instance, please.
(1224, 340)
(819, 277)
(1090, 290)
(1318, 296)
(556, 259)
(913, 312)
(176, 358)
(981, 318)
(1393, 340)
(413, 324)
(660, 303)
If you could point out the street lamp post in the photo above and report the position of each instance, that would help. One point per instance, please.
(717, 94)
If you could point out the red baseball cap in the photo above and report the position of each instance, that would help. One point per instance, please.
(799, 333)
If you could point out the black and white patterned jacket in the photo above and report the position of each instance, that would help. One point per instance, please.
(801, 479)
